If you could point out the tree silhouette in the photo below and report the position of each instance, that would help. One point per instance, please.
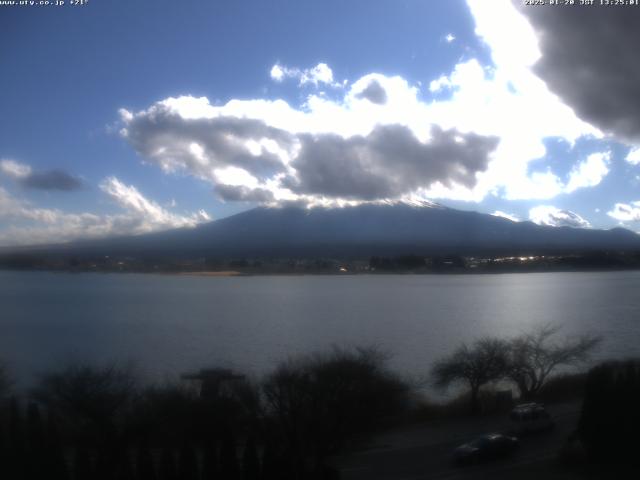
(36, 444)
(82, 465)
(321, 401)
(229, 469)
(91, 400)
(188, 463)
(610, 418)
(5, 382)
(485, 361)
(168, 470)
(250, 461)
(533, 357)
(56, 463)
(145, 466)
(16, 447)
(210, 462)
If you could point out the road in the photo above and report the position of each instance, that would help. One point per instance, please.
(423, 452)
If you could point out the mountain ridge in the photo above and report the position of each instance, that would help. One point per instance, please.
(352, 231)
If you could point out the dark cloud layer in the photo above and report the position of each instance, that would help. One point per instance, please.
(167, 138)
(387, 163)
(239, 193)
(374, 92)
(51, 180)
(590, 59)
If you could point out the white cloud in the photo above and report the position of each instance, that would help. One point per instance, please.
(633, 157)
(439, 84)
(508, 216)
(266, 138)
(555, 217)
(14, 169)
(590, 172)
(507, 100)
(539, 185)
(450, 37)
(359, 148)
(626, 212)
(152, 215)
(320, 74)
(277, 73)
(546, 185)
(34, 225)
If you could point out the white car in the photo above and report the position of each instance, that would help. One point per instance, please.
(530, 418)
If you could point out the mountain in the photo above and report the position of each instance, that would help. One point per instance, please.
(362, 231)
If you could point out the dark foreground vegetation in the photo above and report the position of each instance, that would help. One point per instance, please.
(100, 423)
(88, 422)
(610, 422)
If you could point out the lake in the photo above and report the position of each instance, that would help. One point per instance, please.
(169, 324)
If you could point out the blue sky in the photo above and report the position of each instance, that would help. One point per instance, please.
(123, 117)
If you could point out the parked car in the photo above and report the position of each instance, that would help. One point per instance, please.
(530, 418)
(486, 447)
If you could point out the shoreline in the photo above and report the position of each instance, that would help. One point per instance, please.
(222, 273)
(237, 273)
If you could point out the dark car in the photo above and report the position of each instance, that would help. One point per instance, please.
(487, 447)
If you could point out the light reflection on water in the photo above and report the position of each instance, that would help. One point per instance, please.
(170, 324)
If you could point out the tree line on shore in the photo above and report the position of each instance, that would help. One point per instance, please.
(527, 361)
(88, 422)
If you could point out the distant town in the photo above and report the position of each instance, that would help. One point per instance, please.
(416, 264)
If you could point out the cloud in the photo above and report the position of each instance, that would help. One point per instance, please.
(279, 73)
(179, 135)
(449, 37)
(320, 74)
(633, 157)
(240, 193)
(32, 225)
(151, 214)
(626, 212)
(545, 185)
(52, 180)
(330, 149)
(267, 151)
(374, 92)
(509, 101)
(15, 169)
(555, 217)
(439, 84)
(25, 176)
(589, 173)
(45, 225)
(508, 216)
(587, 59)
(387, 163)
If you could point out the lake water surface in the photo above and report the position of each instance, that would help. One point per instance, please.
(169, 324)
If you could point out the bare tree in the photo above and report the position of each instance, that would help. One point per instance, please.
(94, 398)
(322, 400)
(534, 356)
(483, 362)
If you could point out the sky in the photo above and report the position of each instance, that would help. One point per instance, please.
(123, 117)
